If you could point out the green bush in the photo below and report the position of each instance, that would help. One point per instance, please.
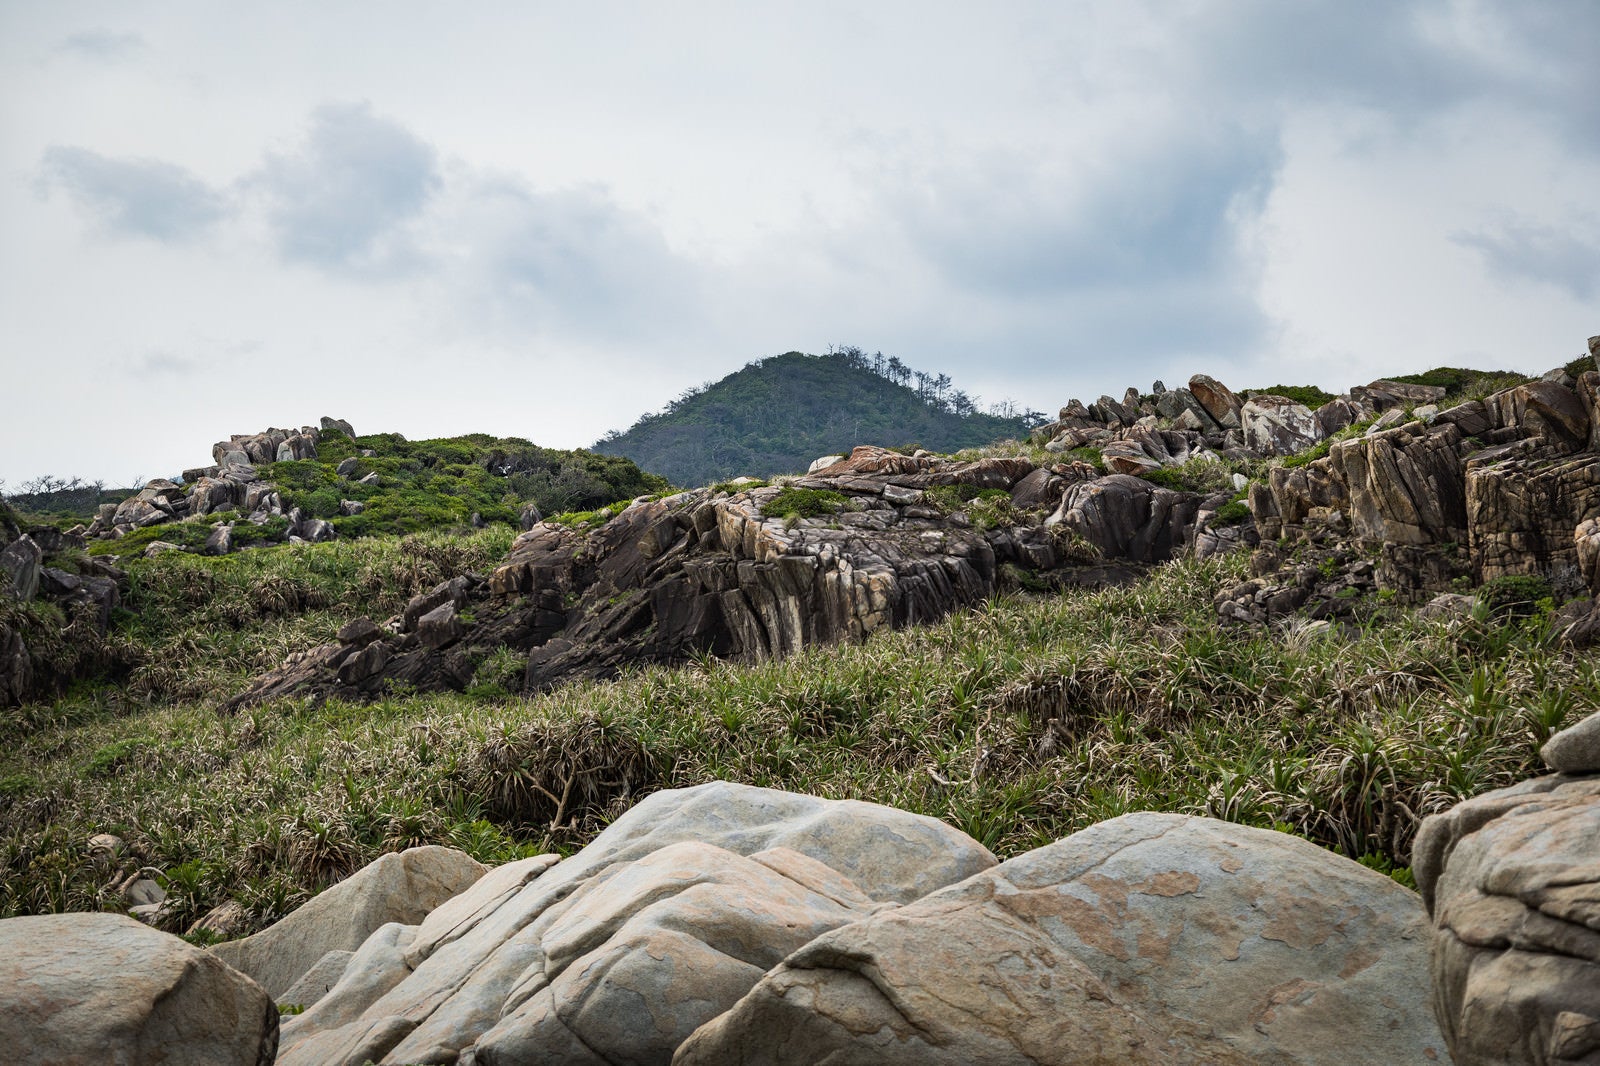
(1307, 395)
(1233, 513)
(1515, 595)
(807, 503)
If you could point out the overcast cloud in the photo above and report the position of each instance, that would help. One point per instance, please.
(542, 220)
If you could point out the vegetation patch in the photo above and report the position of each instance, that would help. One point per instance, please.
(804, 503)
(1306, 395)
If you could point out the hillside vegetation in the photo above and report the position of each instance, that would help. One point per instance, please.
(778, 414)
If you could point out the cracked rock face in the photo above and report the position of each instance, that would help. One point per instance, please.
(1150, 938)
(1512, 881)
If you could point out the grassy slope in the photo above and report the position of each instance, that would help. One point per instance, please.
(1019, 722)
(777, 415)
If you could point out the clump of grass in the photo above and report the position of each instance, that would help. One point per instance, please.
(804, 503)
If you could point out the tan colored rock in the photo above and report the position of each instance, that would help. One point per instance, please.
(1150, 938)
(1219, 401)
(1576, 749)
(1586, 547)
(400, 887)
(508, 941)
(1513, 886)
(1523, 513)
(101, 988)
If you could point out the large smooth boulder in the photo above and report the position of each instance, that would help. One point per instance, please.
(101, 988)
(400, 887)
(662, 921)
(1512, 881)
(1151, 938)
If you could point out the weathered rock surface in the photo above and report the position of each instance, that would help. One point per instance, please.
(1511, 881)
(1576, 749)
(101, 988)
(708, 571)
(1146, 939)
(20, 564)
(1276, 425)
(400, 887)
(618, 953)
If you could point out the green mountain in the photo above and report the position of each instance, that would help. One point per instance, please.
(778, 414)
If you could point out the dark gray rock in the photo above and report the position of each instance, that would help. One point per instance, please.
(20, 563)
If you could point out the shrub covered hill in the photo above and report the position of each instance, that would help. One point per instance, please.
(777, 414)
(1328, 622)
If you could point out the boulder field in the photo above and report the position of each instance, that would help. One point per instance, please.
(730, 924)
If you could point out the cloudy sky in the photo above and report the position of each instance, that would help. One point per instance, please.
(544, 219)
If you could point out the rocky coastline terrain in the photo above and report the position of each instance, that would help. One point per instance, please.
(730, 923)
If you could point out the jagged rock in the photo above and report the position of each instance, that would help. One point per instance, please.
(1586, 548)
(440, 627)
(93, 988)
(370, 479)
(158, 547)
(1127, 517)
(529, 517)
(347, 467)
(1218, 401)
(453, 591)
(351, 507)
(1576, 749)
(315, 531)
(359, 632)
(1276, 425)
(1405, 485)
(297, 446)
(213, 494)
(1384, 394)
(1042, 488)
(399, 887)
(219, 541)
(823, 463)
(1151, 938)
(620, 951)
(16, 668)
(1523, 513)
(1510, 880)
(20, 566)
(338, 424)
(1126, 457)
(1339, 413)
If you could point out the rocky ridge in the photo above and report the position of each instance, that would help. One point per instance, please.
(1408, 499)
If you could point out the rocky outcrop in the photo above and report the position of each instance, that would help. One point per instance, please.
(617, 954)
(45, 564)
(1276, 425)
(101, 988)
(1483, 489)
(896, 540)
(1150, 938)
(1510, 880)
(401, 887)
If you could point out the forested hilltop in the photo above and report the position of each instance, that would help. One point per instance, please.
(778, 414)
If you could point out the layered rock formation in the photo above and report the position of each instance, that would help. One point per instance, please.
(1512, 883)
(899, 540)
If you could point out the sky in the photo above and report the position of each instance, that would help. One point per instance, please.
(543, 220)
